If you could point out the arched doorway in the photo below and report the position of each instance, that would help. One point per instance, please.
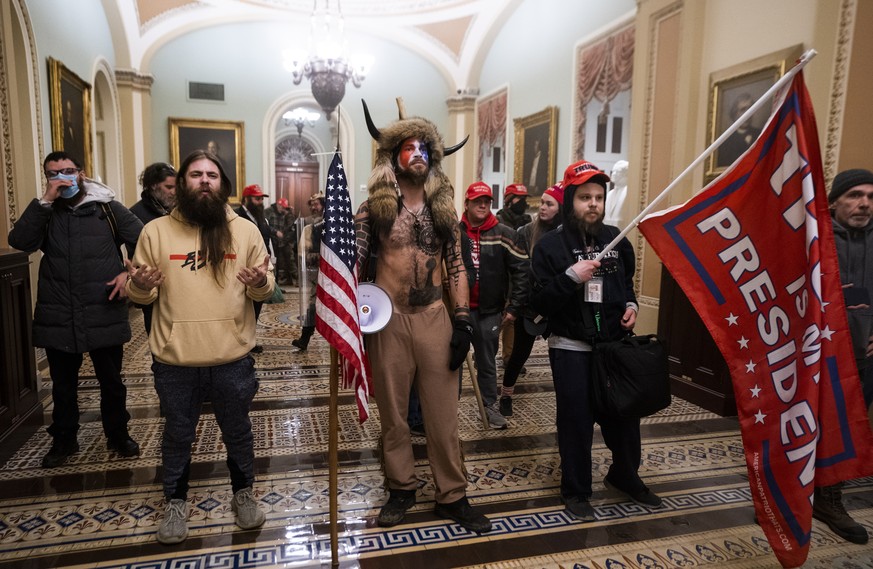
(296, 172)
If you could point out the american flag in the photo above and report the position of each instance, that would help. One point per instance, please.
(336, 305)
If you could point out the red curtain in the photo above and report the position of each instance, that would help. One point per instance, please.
(605, 69)
(492, 124)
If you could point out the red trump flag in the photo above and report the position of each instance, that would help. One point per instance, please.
(754, 253)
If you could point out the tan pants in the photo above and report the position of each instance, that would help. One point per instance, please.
(414, 348)
(507, 337)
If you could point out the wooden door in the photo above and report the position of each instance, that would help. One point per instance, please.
(698, 372)
(296, 182)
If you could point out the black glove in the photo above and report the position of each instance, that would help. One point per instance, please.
(462, 335)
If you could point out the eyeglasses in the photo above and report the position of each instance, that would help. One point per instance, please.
(64, 171)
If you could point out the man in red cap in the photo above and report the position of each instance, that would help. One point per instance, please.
(499, 289)
(252, 208)
(514, 209)
(514, 215)
(587, 301)
(281, 232)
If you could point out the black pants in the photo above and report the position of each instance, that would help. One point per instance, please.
(571, 373)
(522, 345)
(64, 370)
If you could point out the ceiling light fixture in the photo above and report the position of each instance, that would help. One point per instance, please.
(327, 65)
(301, 117)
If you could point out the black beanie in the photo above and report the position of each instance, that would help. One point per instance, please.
(848, 179)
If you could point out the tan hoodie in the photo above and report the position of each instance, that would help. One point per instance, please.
(198, 322)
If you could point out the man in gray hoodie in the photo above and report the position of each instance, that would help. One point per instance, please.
(81, 301)
(851, 204)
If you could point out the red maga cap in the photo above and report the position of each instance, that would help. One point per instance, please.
(477, 190)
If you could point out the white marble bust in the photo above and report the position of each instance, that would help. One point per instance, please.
(615, 197)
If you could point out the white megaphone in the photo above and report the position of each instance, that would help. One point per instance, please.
(374, 307)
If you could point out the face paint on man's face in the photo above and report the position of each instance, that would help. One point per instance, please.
(411, 151)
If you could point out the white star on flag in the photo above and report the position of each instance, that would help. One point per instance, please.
(759, 417)
(750, 367)
(744, 343)
(732, 320)
(755, 390)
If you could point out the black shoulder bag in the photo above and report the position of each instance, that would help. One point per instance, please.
(630, 378)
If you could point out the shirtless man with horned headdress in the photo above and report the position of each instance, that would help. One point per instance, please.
(409, 228)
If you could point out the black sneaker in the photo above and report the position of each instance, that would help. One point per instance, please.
(59, 453)
(125, 447)
(394, 510)
(644, 497)
(258, 349)
(506, 406)
(417, 430)
(300, 344)
(578, 508)
(463, 513)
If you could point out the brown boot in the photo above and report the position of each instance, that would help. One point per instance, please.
(828, 507)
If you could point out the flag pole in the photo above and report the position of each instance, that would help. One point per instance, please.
(783, 81)
(333, 437)
(333, 444)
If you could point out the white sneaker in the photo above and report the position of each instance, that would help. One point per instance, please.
(174, 526)
(248, 514)
(495, 419)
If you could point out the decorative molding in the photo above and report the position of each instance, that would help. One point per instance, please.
(837, 106)
(650, 82)
(8, 166)
(464, 102)
(649, 301)
(134, 79)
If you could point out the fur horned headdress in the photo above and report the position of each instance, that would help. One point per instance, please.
(384, 200)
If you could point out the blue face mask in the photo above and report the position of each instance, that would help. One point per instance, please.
(69, 191)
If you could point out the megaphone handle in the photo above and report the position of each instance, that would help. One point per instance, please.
(476, 391)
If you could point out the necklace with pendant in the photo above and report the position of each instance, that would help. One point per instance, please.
(424, 235)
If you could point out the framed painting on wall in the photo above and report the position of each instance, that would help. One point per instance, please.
(731, 92)
(222, 138)
(536, 144)
(70, 99)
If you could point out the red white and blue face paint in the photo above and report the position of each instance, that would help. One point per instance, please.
(412, 151)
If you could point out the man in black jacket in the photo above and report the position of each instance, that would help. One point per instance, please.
(157, 199)
(585, 301)
(501, 266)
(252, 208)
(80, 305)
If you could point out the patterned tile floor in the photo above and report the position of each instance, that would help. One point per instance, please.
(101, 511)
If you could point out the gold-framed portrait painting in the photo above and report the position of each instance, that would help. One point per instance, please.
(70, 98)
(222, 138)
(731, 92)
(536, 145)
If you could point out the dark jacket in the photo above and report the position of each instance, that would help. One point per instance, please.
(148, 208)
(73, 311)
(263, 227)
(855, 257)
(503, 267)
(514, 220)
(555, 295)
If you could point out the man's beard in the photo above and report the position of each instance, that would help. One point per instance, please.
(412, 176)
(73, 201)
(585, 228)
(257, 211)
(207, 211)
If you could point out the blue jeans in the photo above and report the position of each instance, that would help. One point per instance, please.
(230, 387)
(571, 374)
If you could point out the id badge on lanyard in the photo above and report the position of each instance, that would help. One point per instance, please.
(594, 290)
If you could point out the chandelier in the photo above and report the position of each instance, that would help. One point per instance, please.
(301, 117)
(327, 65)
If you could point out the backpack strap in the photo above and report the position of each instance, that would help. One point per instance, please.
(109, 215)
